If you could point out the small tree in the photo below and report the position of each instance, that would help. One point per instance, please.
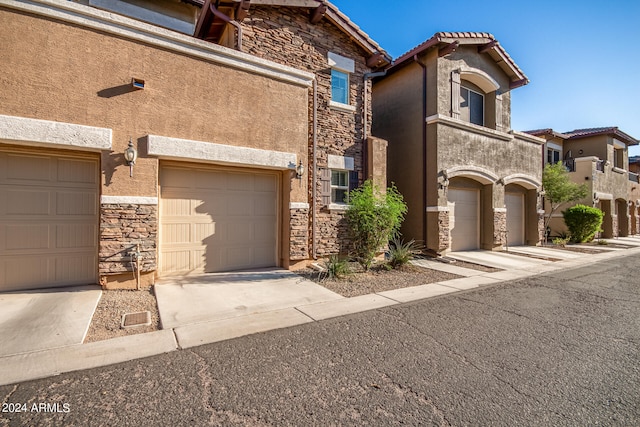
(583, 222)
(559, 189)
(374, 218)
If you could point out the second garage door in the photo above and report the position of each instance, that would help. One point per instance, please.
(217, 219)
(464, 219)
(515, 218)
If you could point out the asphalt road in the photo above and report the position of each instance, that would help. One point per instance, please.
(559, 349)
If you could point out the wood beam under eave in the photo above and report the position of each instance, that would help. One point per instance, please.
(242, 10)
(376, 60)
(487, 47)
(318, 13)
(518, 83)
(450, 48)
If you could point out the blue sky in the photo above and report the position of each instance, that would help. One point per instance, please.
(582, 57)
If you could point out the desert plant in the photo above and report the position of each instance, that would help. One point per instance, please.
(583, 222)
(401, 252)
(335, 268)
(374, 218)
(559, 189)
(560, 241)
(602, 242)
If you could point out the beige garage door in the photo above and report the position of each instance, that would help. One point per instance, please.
(464, 215)
(217, 219)
(515, 218)
(48, 220)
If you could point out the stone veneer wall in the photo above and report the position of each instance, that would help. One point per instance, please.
(122, 227)
(285, 35)
(443, 231)
(299, 234)
(499, 228)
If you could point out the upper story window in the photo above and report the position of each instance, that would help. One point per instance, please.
(339, 86)
(172, 14)
(341, 69)
(471, 106)
(553, 155)
(619, 149)
(339, 186)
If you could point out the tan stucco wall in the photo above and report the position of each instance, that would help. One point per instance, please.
(397, 117)
(60, 72)
(468, 57)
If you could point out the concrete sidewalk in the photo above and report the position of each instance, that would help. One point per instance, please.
(39, 364)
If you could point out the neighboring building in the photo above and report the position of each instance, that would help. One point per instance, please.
(634, 194)
(469, 180)
(598, 157)
(230, 143)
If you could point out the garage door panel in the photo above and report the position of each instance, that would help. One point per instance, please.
(464, 219)
(177, 233)
(76, 172)
(76, 236)
(231, 213)
(28, 202)
(515, 218)
(48, 220)
(30, 236)
(28, 169)
(76, 203)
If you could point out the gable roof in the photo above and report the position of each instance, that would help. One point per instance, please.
(587, 132)
(325, 9)
(486, 42)
(612, 130)
(547, 131)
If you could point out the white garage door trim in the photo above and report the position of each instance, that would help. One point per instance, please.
(183, 186)
(49, 218)
(515, 218)
(464, 208)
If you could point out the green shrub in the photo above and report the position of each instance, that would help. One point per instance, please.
(583, 222)
(335, 268)
(560, 241)
(400, 253)
(373, 218)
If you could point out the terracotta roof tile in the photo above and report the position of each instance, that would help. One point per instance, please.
(442, 37)
(611, 130)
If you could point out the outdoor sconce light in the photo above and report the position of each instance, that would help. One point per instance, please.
(130, 156)
(137, 83)
(299, 170)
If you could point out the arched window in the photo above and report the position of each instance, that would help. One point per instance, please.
(475, 98)
(471, 103)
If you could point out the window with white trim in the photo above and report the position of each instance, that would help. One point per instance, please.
(553, 156)
(471, 106)
(339, 86)
(339, 186)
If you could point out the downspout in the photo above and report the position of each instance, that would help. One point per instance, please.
(424, 148)
(228, 20)
(314, 169)
(365, 109)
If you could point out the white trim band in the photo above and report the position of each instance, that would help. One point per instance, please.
(25, 131)
(437, 209)
(499, 209)
(131, 29)
(341, 162)
(128, 200)
(184, 149)
(298, 205)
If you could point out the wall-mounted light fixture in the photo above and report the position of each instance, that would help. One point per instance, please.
(137, 83)
(299, 170)
(130, 156)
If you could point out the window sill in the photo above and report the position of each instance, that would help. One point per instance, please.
(618, 170)
(342, 107)
(340, 207)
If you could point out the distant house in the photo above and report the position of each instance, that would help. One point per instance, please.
(470, 181)
(251, 122)
(598, 157)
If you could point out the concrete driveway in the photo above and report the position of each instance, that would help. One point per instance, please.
(44, 319)
(215, 296)
(497, 259)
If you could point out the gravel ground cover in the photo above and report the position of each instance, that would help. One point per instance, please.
(106, 321)
(377, 279)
